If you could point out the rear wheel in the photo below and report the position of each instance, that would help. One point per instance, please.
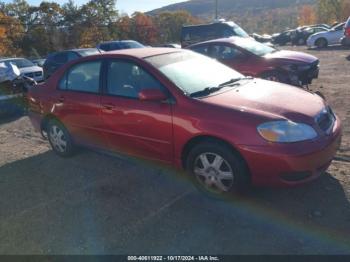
(59, 138)
(216, 169)
(321, 43)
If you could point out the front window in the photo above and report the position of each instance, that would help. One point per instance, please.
(254, 47)
(21, 63)
(192, 72)
(127, 79)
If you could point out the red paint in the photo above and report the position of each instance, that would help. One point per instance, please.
(158, 130)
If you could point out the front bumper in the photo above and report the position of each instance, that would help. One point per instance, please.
(283, 165)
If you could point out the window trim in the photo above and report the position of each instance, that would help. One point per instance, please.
(69, 69)
(104, 91)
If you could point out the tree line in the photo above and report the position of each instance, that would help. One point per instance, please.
(35, 31)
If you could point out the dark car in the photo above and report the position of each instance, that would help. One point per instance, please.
(198, 33)
(282, 38)
(118, 45)
(55, 60)
(345, 41)
(191, 112)
(250, 57)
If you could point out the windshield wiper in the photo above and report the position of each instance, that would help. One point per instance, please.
(209, 90)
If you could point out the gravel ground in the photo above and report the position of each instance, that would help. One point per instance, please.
(95, 203)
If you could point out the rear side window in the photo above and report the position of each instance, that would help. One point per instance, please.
(84, 77)
(127, 79)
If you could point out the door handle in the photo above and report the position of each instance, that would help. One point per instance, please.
(108, 106)
(61, 99)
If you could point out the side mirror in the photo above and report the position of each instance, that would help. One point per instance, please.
(152, 95)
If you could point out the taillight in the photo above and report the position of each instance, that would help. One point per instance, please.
(347, 31)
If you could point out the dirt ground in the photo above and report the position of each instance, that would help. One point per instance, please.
(94, 203)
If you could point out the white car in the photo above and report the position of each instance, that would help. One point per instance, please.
(330, 37)
(26, 68)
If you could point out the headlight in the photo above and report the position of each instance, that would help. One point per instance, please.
(286, 131)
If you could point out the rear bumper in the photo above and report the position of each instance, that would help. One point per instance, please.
(291, 165)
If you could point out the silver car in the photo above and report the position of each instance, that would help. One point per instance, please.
(26, 68)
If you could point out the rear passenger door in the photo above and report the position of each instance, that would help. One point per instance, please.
(78, 102)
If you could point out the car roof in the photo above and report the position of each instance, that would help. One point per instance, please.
(142, 52)
(9, 58)
(231, 40)
(117, 41)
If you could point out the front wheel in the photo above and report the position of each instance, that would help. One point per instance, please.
(60, 139)
(321, 43)
(216, 169)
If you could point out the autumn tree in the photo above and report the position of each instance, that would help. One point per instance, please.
(169, 24)
(11, 33)
(307, 15)
(143, 28)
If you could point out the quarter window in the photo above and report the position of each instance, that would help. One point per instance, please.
(128, 79)
(83, 77)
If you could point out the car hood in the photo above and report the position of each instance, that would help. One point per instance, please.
(30, 69)
(271, 99)
(291, 55)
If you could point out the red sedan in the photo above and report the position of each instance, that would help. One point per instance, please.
(250, 57)
(187, 110)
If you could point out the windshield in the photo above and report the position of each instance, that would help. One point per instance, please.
(254, 47)
(192, 72)
(240, 32)
(87, 52)
(21, 63)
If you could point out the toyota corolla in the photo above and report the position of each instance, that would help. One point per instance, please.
(189, 111)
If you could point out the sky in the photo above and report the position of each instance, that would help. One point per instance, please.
(127, 6)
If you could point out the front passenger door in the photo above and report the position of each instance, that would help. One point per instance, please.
(132, 126)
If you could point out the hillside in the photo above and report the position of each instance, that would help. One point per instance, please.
(264, 16)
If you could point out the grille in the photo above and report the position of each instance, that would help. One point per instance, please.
(31, 75)
(325, 120)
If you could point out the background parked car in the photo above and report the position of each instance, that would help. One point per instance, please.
(26, 68)
(345, 41)
(118, 45)
(300, 36)
(323, 39)
(171, 45)
(55, 60)
(252, 58)
(262, 38)
(198, 33)
(282, 38)
(39, 62)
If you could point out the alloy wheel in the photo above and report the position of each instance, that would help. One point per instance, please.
(213, 172)
(58, 139)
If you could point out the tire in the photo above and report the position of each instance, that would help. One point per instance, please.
(275, 76)
(60, 139)
(216, 169)
(321, 43)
